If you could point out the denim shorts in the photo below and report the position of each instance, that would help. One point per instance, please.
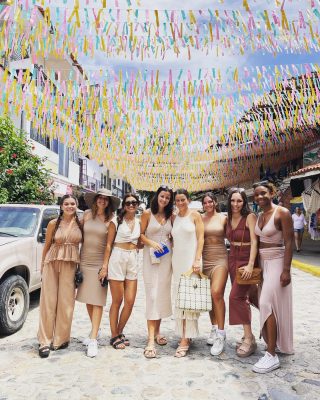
(301, 230)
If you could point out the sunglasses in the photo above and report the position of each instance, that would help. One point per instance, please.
(131, 203)
(239, 189)
(166, 188)
(262, 183)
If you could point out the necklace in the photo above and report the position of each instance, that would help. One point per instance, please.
(130, 222)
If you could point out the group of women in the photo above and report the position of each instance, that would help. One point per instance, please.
(192, 241)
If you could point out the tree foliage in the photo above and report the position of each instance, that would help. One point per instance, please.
(23, 177)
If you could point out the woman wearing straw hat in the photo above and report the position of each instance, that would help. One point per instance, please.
(95, 224)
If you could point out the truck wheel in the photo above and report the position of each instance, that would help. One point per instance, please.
(14, 304)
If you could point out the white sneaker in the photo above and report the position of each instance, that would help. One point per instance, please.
(218, 345)
(86, 341)
(92, 349)
(212, 336)
(266, 364)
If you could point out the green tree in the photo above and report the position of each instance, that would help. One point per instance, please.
(23, 177)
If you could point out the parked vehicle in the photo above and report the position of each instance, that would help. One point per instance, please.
(22, 236)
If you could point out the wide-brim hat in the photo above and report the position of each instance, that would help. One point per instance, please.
(113, 200)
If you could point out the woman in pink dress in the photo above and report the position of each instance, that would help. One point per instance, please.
(275, 230)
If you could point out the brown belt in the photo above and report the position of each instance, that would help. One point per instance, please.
(238, 244)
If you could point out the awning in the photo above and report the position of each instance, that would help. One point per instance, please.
(306, 172)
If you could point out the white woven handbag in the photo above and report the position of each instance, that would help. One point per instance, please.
(194, 293)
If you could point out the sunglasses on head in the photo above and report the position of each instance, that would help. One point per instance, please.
(262, 183)
(166, 188)
(131, 203)
(239, 189)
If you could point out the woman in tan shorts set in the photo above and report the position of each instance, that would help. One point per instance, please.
(215, 266)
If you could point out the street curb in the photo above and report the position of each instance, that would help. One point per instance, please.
(311, 269)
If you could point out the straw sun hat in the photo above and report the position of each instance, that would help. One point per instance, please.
(113, 200)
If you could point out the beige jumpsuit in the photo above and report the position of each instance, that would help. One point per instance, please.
(58, 289)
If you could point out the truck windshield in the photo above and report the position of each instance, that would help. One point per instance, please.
(18, 221)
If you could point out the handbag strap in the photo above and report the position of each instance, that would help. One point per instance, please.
(191, 271)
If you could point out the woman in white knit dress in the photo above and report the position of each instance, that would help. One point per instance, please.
(156, 225)
(187, 233)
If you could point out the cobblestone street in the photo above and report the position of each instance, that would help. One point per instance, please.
(126, 374)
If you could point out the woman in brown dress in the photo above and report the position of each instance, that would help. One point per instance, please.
(242, 255)
(95, 224)
(59, 260)
(215, 266)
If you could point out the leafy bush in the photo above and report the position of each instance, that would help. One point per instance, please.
(23, 177)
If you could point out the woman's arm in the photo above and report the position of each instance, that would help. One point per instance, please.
(247, 269)
(287, 230)
(48, 242)
(200, 240)
(145, 219)
(112, 231)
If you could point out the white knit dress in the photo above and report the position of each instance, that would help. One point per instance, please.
(183, 255)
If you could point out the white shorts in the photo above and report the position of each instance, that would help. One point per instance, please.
(123, 264)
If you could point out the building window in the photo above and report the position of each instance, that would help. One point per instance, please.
(35, 134)
(63, 160)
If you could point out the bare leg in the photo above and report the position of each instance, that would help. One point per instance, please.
(184, 341)
(130, 291)
(271, 332)
(152, 327)
(89, 309)
(117, 291)
(157, 327)
(218, 284)
(96, 320)
(247, 331)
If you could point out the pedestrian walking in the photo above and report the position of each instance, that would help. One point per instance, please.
(275, 230)
(215, 266)
(156, 226)
(59, 261)
(121, 267)
(242, 256)
(95, 222)
(299, 222)
(187, 233)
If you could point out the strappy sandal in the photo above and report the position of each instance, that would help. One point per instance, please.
(247, 348)
(116, 342)
(161, 340)
(150, 352)
(125, 340)
(182, 351)
(44, 351)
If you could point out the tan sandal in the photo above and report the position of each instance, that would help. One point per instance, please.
(161, 340)
(182, 351)
(150, 352)
(247, 348)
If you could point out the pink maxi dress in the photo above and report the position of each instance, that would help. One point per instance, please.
(273, 297)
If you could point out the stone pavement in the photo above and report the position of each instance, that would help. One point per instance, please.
(126, 374)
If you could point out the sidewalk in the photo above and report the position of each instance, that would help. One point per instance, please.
(128, 375)
(308, 259)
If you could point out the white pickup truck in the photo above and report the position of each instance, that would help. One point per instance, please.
(22, 235)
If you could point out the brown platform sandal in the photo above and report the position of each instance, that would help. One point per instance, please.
(247, 348)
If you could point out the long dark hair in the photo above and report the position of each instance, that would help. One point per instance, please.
(213, 198)
(154, 206)
(182, 191)
(245, 211)
(122, 209)
(67, 196)
(108, 213)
